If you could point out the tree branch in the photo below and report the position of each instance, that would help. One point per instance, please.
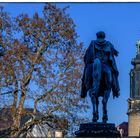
(42, 97)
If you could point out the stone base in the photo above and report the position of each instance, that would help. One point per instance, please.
(97, 130)
(134, 125)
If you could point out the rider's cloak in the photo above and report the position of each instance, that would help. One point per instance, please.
(89, 57)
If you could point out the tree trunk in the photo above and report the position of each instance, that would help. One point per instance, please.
(24, 86)
(19, 112)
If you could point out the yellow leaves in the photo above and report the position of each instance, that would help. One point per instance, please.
(34, 24)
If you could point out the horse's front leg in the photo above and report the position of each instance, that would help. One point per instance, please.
(104, 102)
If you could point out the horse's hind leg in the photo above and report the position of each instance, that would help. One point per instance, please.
(96, 76)
(104, 102)
(107, 86)
(93, 100)
(97, 104)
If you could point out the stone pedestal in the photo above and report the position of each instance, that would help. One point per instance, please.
(97, 130)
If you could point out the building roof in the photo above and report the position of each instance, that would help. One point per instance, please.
(123, 128)
(6, 121)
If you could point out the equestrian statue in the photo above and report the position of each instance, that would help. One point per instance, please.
(100, 75)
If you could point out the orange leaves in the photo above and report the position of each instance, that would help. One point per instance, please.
(26, 18)
(68, 74)
(40, 24)
(16, 43)
(28, 32)
(18, 49)
(76, 74)
(45, 52)
(0, 23)
(37, 22)
(20, 24)
(63, 33)
(31, 57)
(23, 20)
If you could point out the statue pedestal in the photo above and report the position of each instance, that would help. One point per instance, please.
(97, 130)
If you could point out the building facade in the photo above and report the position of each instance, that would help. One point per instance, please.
(134, 100)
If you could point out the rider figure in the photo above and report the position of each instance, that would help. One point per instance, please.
(100, 73)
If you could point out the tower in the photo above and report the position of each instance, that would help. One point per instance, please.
(134, 100)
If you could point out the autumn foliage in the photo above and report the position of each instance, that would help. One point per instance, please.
(41, 64)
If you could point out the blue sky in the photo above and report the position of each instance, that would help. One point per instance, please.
(120, 22)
